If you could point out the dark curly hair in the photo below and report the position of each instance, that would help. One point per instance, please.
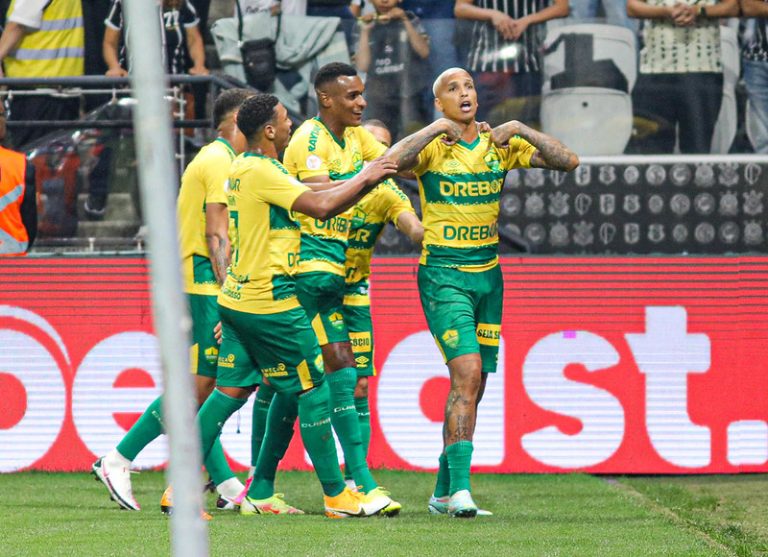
(331, 72)
(226, 102)
(255, 112)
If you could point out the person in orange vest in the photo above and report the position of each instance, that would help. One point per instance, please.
(18, 204)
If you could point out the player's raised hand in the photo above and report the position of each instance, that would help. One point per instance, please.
(483, 127)
(452, 131)
(500, 135)
(378, 170)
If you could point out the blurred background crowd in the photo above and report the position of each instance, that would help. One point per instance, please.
(608, 77)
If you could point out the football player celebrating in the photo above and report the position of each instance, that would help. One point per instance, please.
(459, 278)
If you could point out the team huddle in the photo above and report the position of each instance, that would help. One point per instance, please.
(280, 257)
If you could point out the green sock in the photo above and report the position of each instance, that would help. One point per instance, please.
(260, 410)
(217, 465)
(279, 432)
(346, 423)
(148, 428)
(315, 420)
(459, 457)
(213, 415)
(364, 419)
(443, 484)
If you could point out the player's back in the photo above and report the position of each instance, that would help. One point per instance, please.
(265, 236)
(203, 182)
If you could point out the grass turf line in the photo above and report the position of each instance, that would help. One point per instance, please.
(547, 515)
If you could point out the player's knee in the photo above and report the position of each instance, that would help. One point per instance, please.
(361, 389)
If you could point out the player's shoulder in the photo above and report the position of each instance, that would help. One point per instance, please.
(309, 135)
(218, 149)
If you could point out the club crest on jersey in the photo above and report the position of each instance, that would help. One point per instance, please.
(337, 320)
(212, 354)
(492, 160)
(358, 218)
(451, 338)
(357, 161)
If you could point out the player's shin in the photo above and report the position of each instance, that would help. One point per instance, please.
(346, 424)
(213, 415)
(443, 483)
(260, 411)
(315, 425)
(364, 419)
(279, 432)
(459, 457)
(148, 428)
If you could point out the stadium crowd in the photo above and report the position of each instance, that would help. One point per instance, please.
(682, 84)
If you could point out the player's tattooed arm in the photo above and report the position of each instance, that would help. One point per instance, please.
(217, 238)
(406, 151)
(550, 153)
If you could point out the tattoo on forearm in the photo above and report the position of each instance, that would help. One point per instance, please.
(550, 153)
(220, 262)
(406, 151)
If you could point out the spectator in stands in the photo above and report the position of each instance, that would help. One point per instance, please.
(438, 20)
(505, 54)
(184, 50)
(755, 63)
(680, 83)
(392, 48)
(42, 38)
(18, 203)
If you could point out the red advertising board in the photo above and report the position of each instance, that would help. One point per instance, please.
(609, 365)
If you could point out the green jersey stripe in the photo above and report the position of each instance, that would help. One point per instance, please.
(443, 256)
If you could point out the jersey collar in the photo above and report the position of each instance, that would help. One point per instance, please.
(469, 146)
(341, 142)
(228, 146)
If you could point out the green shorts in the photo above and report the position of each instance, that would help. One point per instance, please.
(463, 311)
(204, 353)
(358, 318)
(279, 346)
(321, 295)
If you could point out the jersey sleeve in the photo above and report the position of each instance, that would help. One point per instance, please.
(518, 154)
(396, 201)
(430, 153)
(278, 187)
(188, 16)
(305, 160)
(372, 149)
(216, 176)
(114, 19)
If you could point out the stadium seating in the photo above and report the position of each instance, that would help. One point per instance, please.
(589, 72)
(590, 120)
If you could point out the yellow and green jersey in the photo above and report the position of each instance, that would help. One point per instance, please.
(385, 203)
(460, 186)
(203, 182)
(315, 151)
(265, 236)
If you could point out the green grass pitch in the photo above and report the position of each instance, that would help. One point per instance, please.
(534, 515)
